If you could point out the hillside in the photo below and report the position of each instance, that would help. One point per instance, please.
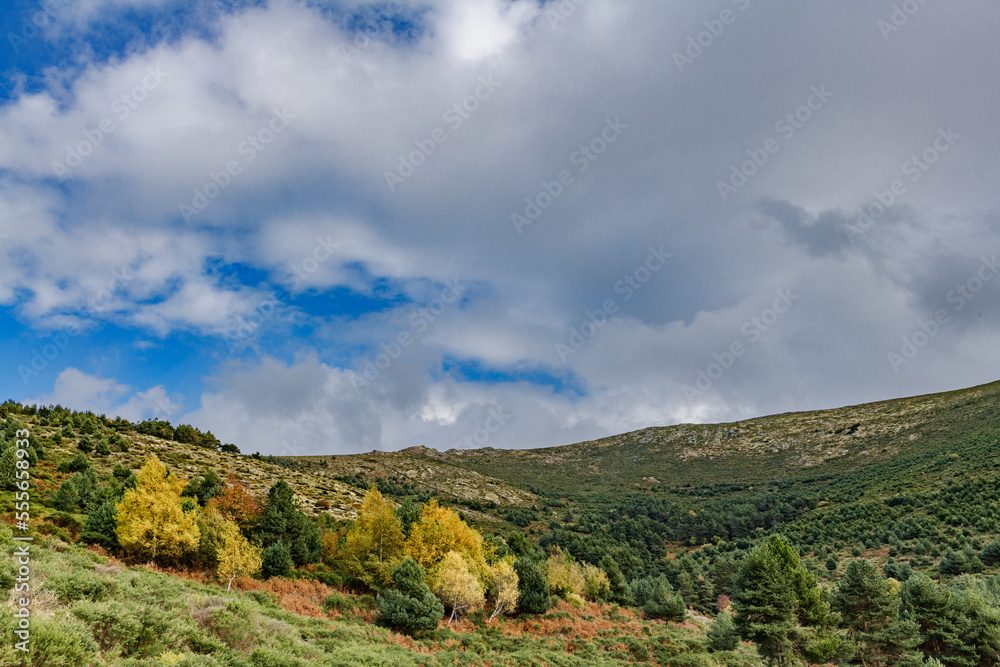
(907, 487)
(791, 446)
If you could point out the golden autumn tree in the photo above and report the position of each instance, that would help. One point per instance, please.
(597, 586)
(456, 587)
(235, 555)
(504, 585)
(564, 574)
(149, 516)
(441, 530)
(374, 544)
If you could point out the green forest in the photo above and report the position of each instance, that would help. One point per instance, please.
(156, 544)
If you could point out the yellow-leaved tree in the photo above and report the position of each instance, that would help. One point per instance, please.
(564, 574)
(441, 530)
(374, 544)
(456, 587)
(504, 580)
(236, 556)
(150, 520)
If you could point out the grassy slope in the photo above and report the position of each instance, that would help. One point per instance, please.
(87, 610)
(794, 446)
(869, 452)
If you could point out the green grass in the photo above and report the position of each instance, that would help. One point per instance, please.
(86, 612)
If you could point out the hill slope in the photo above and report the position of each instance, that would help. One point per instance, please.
(791, 446)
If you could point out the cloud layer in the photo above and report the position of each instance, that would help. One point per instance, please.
(504, 224)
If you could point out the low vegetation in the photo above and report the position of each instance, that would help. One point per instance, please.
(157, 545)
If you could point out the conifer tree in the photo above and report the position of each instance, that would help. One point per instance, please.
(101, 525)
(722, 635)
(618, 588)
(276, 561)
(533, 597)
(657, 598)
(281, 520)
(409, 606)
(869, 605)
(774, 594)
(307, 547)
(930, 606)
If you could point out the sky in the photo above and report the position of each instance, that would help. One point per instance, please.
(321, 227)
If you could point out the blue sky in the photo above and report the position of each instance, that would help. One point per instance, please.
(329, 227)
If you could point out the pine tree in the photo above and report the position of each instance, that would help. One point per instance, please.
(929, 605)
(990, 555)
(8, 463)
(276, 561)
(66, 499)
(281, 520)
(722, 635)
(954, 563)
(764, 599)
(100, 526)
(149, 516)
(978, 619)
(869, 605)
(534, 587)
(619, 591)
(409, 606)
(723, 575)
(307, 547)
(657, 599)
(775, 594)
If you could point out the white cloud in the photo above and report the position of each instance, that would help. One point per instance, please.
(311, 211)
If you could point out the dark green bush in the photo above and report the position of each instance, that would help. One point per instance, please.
(277, 561)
